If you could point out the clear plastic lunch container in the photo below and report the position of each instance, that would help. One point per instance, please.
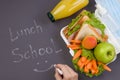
(107, 11)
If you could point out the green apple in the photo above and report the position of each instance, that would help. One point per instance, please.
(104, 52)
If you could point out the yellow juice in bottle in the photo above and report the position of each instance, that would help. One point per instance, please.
(66, 8)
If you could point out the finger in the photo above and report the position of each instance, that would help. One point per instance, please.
(63, 68)
(74, 75)
(66, 73)
(57, 75)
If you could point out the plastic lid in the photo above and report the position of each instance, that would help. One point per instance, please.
(51, 17)
(109, 15)
(101, 9)
(112, 7)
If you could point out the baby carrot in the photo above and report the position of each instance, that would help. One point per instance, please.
(73, 46)
(93, 70)
(77, 54)
(87, 61)
(96, 71)
(107, 68)
(94, 64)
(79, 63)
(86, 70)
(76, 41)
(82, 65)
(89, 65)
(83, 59)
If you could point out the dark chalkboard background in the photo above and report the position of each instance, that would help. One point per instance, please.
(30, 43)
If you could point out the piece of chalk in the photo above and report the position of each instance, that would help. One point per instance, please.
(59, 71)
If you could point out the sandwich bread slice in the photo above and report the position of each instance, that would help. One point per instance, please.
(85, 24)
(87, 29)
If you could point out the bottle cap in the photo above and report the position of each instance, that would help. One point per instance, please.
(51, 17)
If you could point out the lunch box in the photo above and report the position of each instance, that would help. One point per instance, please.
(113, 34)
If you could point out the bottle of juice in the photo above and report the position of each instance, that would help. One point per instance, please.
(66, 8)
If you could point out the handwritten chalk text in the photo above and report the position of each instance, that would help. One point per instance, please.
(16, 34)
(33, 53)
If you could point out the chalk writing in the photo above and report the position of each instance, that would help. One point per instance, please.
(18, 55)
(37, 70)
(56, 51)
(15, 35)
(34, 53)
(30, 52)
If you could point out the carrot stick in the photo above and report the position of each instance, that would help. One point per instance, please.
(93, 70)
(96, 71)
(87, 61)
(76, 41)
(83, 59)
(79, 63)
(89, 65)
(82, 65)
(77, 54)
(86, 70)
(73, 46)
(107, 68)
(94, 64)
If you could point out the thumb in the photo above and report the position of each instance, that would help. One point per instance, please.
(57, 75)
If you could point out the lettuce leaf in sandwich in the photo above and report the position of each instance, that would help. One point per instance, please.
(74, 25)
(85, 17)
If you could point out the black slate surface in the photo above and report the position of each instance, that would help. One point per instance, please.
(30, 43)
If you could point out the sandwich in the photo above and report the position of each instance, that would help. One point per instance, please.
(85, 24)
